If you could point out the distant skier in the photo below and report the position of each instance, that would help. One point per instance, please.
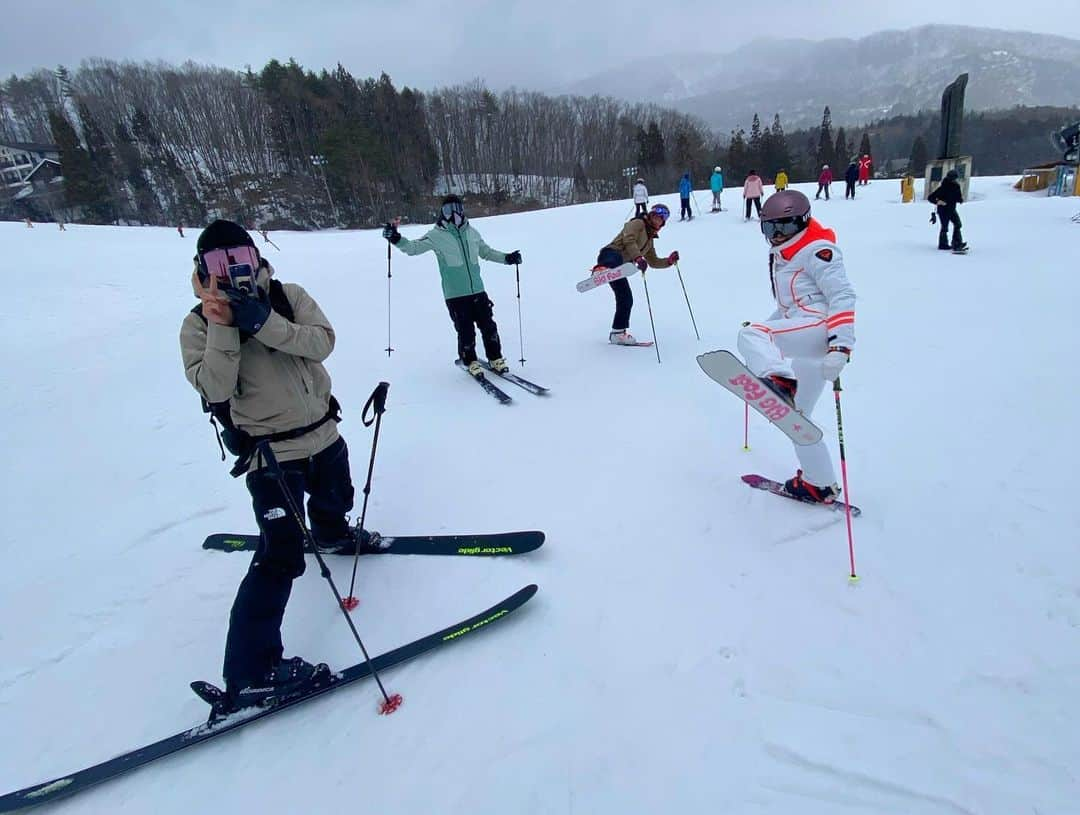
(716, 184)
(633, 244)
(807, 340)
(823, 182)
(947, 197)
(458, 248)
(641, 197)
(258, 346)
(851, 175)
(29, 224)
(685, 189)
(781, 180)
(753, 188)
(180, 229)
(865, 165)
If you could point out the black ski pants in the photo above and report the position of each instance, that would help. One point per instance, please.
(641, 208)
(822, 188)
(946, 216)
(849, 190)
(753, 202)
(684, 208)
(624, 296)
(469, 313)
(253, 645)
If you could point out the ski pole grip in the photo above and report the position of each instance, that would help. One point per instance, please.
(376, 402)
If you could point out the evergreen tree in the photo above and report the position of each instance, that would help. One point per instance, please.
(654, 154)
(756, 148)
(105, 190)
(843, 155)
(826, 149)
(779, 154)
(864, 146)
(75, 165)
(919, 157)
(738, 159)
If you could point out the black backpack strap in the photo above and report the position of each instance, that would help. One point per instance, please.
(250, 443)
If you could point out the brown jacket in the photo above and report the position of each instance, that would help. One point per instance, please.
(275, 380)
(636, 240)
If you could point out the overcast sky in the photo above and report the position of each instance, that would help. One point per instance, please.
(538, 44)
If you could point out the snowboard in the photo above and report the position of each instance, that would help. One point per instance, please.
(724, 368)
(602, 275)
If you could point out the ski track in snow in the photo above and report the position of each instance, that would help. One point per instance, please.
(695, 646)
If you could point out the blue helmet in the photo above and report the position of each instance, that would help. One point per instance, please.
(661, 210)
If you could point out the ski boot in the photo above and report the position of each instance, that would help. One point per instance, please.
(623, 337)
(290, 677)
(499, 365)
(806, 491)
(782, 386)
(356, 541)
(475, 368)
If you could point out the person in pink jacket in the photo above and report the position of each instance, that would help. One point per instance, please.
(823, 182)
(751, 191)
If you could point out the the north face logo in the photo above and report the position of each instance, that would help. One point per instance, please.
(274, 514)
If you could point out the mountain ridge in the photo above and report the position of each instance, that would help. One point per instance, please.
(883, 74)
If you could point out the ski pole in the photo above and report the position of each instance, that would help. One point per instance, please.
(648, 302)
(853, 577)
(389, 349)
(521, 332)
(390, 703)
(746, 427)
(696, 204)
(376, 401)
(687, 296)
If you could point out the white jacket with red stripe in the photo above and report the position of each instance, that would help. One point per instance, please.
(808, 280)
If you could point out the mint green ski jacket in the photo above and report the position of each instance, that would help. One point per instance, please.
(459, 251)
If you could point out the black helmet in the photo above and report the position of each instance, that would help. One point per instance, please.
(223, 235)
(952, 175)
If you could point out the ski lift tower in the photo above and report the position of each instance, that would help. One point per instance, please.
(949, 157)
(630, 173)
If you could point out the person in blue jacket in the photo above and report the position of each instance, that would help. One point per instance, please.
(716, 184)
(684, 197)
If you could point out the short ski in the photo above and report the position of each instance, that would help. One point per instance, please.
(496, 544)
(776, 488)
(486, 384)
(91, 776)
(648, 344)
(531, 387)
(724, 368)
(601, 275)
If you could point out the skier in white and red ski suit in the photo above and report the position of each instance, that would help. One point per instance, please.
(808, 339)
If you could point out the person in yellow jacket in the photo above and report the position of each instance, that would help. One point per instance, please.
(781, 180)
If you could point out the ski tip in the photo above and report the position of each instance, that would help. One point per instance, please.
(752, 480)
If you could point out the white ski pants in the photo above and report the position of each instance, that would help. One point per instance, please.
(794, 347)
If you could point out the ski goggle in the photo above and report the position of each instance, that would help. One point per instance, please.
(785, 227)
(662, 211)
(234, 267)
(448, 210)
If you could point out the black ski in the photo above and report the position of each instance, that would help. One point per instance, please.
(487, 385)
(91, 776)
(521, 382)
(489, 545)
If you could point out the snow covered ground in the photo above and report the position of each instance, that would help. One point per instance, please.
(696, 646)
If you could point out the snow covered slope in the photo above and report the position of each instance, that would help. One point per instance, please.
(696, 646)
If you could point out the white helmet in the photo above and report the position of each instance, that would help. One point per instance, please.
(716, 170)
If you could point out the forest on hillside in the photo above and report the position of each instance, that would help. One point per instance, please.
(144, 143)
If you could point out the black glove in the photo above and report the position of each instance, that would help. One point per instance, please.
(389, 231)
(513, 258)
(933, 216)
(250, 312)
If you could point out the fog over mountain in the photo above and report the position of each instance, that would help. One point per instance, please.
(884, 74)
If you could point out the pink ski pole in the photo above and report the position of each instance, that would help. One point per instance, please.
(843, 470)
